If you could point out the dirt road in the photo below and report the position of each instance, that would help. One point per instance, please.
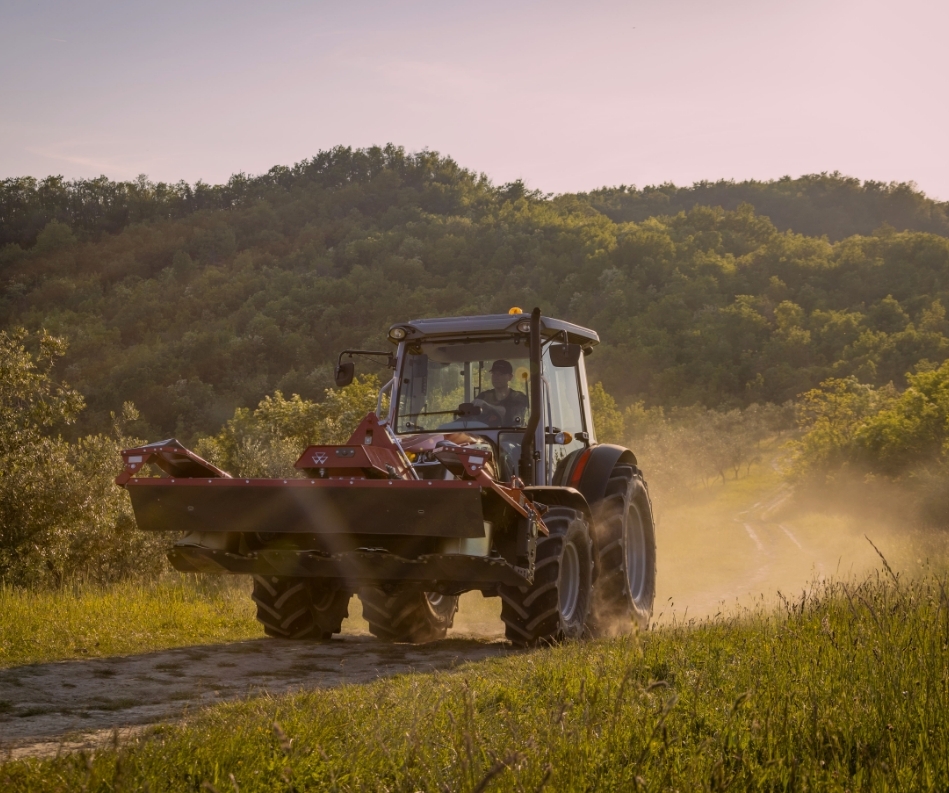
(47, 708)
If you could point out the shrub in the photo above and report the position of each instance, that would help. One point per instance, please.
(61, 515)
(268, 440)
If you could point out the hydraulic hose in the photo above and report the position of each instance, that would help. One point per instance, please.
(530, 456)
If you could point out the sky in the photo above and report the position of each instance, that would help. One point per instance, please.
(567, 96)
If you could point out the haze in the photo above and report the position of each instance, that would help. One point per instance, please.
(566, 96)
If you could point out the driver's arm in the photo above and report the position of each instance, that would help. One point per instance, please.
(497, 409)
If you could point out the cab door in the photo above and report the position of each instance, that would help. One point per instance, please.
(563, 412)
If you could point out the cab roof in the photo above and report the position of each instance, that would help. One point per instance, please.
(461, 327)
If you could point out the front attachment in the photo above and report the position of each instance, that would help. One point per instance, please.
(361, 516)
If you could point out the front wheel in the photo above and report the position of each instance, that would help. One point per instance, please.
(556, 606)
(408, 615)
(300, 608)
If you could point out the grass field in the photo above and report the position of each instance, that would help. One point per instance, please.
(845, 689)
(85, 622)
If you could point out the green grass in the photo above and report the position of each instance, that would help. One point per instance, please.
(84, 622)
(845, 689)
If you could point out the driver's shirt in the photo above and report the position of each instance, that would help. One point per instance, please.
(515, 406)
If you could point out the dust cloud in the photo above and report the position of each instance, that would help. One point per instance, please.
(738, 546)
(745, 544)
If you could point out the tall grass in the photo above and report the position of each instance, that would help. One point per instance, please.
(844, 688)
(85, 620)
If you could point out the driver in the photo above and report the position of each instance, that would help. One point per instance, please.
(501, 405)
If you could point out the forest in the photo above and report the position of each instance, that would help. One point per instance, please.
(192, 301)
(727, 312)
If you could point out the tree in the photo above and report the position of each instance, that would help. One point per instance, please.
(30, 400)
(31, 403)
(61, 514)
(832, 417)
(190, 301)
(607, 418)
(903, 437)
(911, 429)
(268, 440)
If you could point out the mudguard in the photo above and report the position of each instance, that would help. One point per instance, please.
(588, 470)
(560, 497)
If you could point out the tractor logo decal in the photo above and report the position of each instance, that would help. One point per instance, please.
(320, 457)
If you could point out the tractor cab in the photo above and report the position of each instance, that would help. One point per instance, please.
(477, 381)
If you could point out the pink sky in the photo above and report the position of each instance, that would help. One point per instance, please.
(566, 96)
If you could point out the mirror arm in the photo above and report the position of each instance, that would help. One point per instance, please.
(389, 356)
(390, 362)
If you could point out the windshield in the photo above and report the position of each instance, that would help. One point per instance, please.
(464, 386)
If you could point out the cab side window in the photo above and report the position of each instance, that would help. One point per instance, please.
(564, 412)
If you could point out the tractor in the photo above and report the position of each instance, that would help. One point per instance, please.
(478, 470)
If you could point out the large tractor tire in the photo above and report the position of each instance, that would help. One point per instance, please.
(407, 615)
(300, 608)
(557, 605)
(626, 541)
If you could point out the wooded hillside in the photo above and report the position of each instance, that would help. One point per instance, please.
(816, 205)
(191, 301)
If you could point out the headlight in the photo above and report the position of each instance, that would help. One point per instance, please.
(397, 334)
(524, 326)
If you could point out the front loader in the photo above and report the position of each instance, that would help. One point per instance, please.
(479, 470)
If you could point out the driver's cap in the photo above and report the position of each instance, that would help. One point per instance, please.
(502, 366)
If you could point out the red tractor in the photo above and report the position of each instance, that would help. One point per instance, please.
(483, 474)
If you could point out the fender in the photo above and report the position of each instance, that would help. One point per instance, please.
(560, 497)
(588, 470)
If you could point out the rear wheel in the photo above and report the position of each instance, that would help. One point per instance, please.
(626, 540)
(408, 615)
(300, 608)
(556, 606)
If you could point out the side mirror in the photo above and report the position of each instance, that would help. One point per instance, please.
(562, 355)
(344, 374)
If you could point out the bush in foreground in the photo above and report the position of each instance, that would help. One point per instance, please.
(846, 689)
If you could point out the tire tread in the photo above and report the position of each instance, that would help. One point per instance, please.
(285, 607)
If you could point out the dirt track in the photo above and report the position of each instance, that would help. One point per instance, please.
(70, 705)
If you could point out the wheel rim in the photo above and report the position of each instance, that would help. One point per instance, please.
(442, 606)
(569, 582)
(635, 553)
